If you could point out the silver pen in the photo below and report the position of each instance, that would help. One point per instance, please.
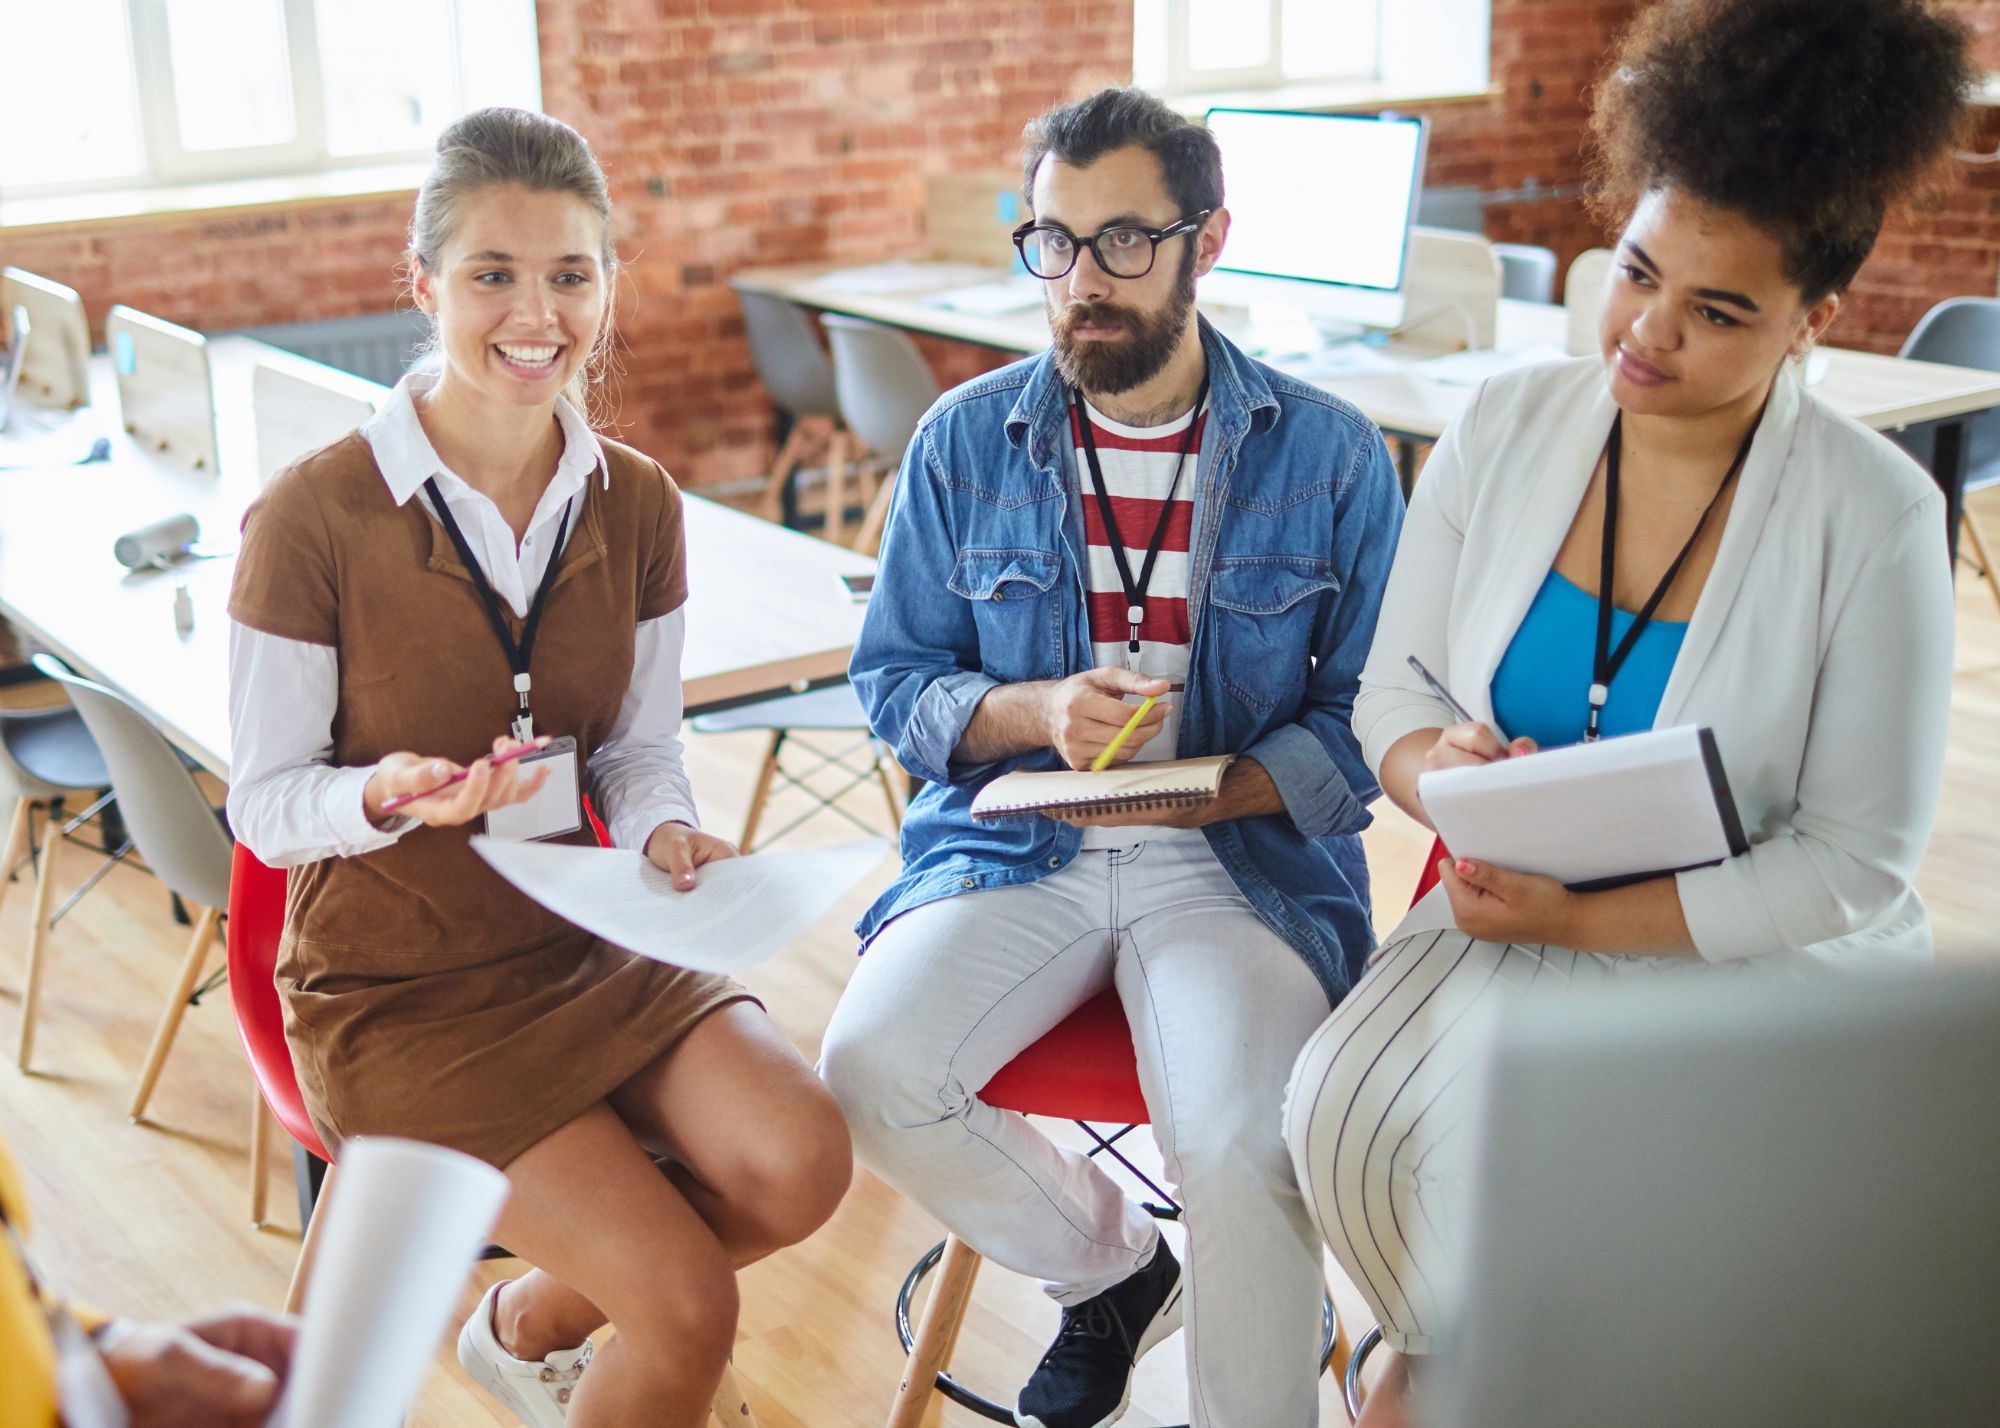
(1464, 715)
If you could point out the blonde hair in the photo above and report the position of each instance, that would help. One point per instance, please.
(496, 146)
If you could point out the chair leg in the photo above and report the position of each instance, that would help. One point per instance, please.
(1969, 523)
(17, 843)
(295, 1292)
(260, 1154)
(762, 791)
(936, 1333)
(730, 1408)
(170, 1019)
(772, 503)
(38, 928)
(869, 540)
(837, 448)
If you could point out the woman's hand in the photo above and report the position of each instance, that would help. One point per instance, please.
(1498, 905)
(1459, 745)
(219, 1372)
(678, 850)
(486, 787)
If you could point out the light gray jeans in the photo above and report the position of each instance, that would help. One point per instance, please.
(1219, 1007)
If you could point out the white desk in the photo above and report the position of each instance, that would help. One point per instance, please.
(1885, 393)
(766, 614)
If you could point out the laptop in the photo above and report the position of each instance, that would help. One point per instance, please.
(1747, 1199)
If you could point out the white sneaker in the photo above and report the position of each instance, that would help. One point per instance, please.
(539, 1393)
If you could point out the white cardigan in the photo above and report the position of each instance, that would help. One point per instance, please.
(1820, 650)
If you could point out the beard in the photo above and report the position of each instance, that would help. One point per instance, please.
(1118, 364)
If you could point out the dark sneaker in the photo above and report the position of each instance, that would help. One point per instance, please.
(1085, 1379)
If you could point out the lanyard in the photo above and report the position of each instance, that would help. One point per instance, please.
(518, 653)
(1605, 661)
(1135, 591)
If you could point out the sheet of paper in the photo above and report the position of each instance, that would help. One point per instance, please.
(900, 276)
(406, 1222)
(1469, 369)
(740, 912)
(1637, 804)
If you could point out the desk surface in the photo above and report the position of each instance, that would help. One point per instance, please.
(1883, 392)
(766, 614)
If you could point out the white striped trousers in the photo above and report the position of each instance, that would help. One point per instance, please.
(1381, 1092)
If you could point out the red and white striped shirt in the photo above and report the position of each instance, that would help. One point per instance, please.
(1138, 465)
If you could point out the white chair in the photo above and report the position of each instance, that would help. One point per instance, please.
(884, 388)
(1962, 332)
(1583, 298)
(799, 381)
(175, 829)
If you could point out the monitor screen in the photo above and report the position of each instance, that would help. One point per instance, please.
(1323, 197)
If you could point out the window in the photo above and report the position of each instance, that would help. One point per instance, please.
(165, 92)
(1417, 47)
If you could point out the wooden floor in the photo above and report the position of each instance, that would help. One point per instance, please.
(152, 1220)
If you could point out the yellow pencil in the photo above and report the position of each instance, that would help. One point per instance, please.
(1103, 760)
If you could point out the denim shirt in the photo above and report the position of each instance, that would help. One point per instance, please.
(1296, 514)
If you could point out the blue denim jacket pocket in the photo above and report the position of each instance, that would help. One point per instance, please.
(1017, 609)
(1264, 608)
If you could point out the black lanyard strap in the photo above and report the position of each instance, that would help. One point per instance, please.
(1135, 590)
(1605, 661)
(519, 653)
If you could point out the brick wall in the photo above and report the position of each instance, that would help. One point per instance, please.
(740, 132)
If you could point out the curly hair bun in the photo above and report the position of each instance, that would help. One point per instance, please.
(1809, 117)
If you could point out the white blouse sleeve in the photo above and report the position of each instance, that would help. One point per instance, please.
(637, 779)
(287, 803)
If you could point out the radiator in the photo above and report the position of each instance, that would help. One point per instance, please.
(377, 345)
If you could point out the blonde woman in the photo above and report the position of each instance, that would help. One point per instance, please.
(472, 567)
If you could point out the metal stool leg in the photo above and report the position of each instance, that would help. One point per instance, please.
(1351, 1384)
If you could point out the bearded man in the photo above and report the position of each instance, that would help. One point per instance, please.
(1141, 511)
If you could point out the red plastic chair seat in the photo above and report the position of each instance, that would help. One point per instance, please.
(1086, 1070)
(256, 921)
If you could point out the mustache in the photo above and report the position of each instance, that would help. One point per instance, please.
(1094, 314)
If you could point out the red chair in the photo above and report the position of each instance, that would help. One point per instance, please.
(1085, 1070)
(256, 921)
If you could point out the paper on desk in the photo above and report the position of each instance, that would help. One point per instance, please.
(1469, 369)
(405, 1225)
(740, 911)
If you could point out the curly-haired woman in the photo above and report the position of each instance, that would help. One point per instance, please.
(1674, 531)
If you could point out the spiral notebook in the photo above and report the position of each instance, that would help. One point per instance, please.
(1135, 788)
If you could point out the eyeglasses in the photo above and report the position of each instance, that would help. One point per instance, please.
(1126, 251)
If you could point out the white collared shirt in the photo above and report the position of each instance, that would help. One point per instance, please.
(287, 801)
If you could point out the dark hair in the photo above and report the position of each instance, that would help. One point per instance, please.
(1084, 132)
(1808, 117)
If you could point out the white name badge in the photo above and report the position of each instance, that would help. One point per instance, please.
(556, 810)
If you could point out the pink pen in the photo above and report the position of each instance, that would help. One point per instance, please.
(402, 800)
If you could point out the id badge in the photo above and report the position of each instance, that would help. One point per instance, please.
(556, 810)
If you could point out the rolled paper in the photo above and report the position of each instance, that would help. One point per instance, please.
(161, 541)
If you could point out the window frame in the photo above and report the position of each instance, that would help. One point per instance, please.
(1182, 78)
(167, 164)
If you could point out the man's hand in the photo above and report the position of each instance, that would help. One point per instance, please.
(225, 1371)
(678, 849)
(1086, 711)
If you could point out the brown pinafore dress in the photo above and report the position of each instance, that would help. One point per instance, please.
(423, 995)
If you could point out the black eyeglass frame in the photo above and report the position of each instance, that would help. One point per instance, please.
(1190, 224)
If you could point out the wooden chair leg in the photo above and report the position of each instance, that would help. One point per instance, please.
(762, 792)
(260, 1154)
(17, 842)
(170, 1019)
(869, 540)
(295, 1293)
(936, 1333)
(38, 931)
(1969, 524)
(838, 447)
(771, 506)
(730, 1408)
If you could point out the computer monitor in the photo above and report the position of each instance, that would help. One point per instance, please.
(16, 358)
(1322, 200)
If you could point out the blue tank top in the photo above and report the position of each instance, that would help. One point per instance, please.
(1542, 687)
